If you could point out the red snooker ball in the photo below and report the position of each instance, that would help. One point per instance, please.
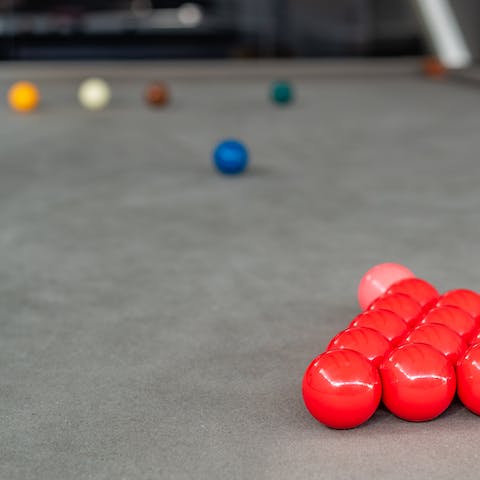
(416, 288)
(468, 300)
(468, 379)
(386, 322)
(341, 389)
(444, 339)
(475, 338)
(418, 382)
(434, 68)
(403, 305)
(455, 318)
(378, 280)
(370, 343)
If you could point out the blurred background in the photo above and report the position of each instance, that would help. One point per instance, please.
(144, 29)
(169, 29)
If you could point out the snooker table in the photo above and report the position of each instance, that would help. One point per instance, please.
(157, 317)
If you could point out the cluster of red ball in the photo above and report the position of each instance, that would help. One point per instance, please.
(411, 348)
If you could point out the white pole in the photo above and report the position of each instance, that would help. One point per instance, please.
(444, 33)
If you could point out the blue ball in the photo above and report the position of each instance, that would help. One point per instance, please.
(230, 157)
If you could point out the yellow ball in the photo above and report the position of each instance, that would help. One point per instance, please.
(23, 97)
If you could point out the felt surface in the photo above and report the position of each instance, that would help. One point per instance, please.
(157, 318)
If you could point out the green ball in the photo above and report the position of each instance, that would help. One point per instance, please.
(281, 92)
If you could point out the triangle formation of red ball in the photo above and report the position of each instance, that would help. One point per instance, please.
(411, 348)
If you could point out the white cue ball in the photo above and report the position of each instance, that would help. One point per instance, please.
(94, 94)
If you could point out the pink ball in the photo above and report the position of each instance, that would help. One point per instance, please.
(378, 280)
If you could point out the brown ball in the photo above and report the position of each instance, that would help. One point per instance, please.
(157, 94)
(433, 67)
